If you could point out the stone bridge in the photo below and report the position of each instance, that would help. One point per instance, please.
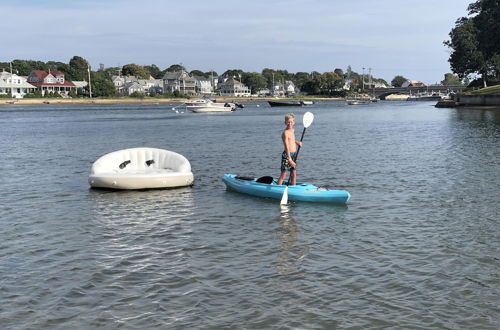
(381, 93)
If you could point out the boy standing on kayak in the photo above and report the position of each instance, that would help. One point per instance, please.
(290, 145)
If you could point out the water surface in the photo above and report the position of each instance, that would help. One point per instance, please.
(417, 246)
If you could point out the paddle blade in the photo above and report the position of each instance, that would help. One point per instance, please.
(284, 198)
(307, 119)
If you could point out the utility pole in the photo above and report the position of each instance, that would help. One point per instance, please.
(363, 88)
(90, 84)
(11, 82)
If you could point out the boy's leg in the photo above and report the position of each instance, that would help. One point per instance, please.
(293, 177)
(282, 177)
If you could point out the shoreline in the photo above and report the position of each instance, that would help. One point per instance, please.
(60, 101)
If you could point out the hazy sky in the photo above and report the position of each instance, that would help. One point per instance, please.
(391, 37)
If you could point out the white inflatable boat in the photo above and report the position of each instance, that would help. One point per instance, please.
(141, 168)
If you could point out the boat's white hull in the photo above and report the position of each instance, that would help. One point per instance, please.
(358, 102)
(212, 107)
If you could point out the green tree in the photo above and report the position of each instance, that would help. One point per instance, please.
(233, 73)
(175, 68)
(198, 73)
(135, 70)
(78, 69)
(154, 71)
(255, 81)
(398, 81)
(102, 86)
(451, 80)
(475, 41)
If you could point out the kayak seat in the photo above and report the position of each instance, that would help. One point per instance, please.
(245, 178)
(265, 179)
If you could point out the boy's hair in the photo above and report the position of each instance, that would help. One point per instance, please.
(289, 116)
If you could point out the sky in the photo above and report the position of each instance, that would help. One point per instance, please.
(390, 37)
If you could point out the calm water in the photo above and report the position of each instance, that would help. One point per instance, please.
(418, 245)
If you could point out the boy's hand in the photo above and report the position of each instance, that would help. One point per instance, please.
(299, 143)
(292, 163)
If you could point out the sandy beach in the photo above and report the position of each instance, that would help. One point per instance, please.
(125, 100)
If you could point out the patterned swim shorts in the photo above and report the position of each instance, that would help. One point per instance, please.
(285, 166)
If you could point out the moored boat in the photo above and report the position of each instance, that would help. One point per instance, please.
(358, 101)
(426, 97)
(286, 103)
(210, 106)
(267, 187)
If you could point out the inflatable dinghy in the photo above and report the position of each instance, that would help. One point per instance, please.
(141, 168)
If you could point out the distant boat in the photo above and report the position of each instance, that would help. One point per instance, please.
(358, 101)
(210, 106)
(426, 97)
(298, 103)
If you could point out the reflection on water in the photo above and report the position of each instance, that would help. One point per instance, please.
(291, 252)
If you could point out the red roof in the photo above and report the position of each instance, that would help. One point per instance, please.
(41, 74)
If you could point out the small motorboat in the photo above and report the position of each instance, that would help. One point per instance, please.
(141, 168)
(210, 106)
(358, 101)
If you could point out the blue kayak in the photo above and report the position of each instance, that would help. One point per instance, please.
(267, 187)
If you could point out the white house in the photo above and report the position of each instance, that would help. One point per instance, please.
(204, 85)
(233, 87)
(14, 85)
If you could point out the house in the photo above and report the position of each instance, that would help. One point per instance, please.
(129, 88)
(51, 81)
(278, 89)
(179, 81)
(204, 85)
(151, 86)
(233, 87)
(290, 88)
(413, 83)
(14, 85)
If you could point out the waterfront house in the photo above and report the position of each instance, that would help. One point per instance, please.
(232, 87)
(118, 81)
(51, 81)
(179, 81)
(204, 85)
(129, 88)
(14, 85)
(151, 86)
(278, 89)
(290, 88)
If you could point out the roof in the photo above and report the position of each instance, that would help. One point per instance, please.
(42, 73)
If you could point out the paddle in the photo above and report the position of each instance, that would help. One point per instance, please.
(307, 120)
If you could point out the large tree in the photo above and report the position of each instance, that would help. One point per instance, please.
(135, 70)
(475, 41)
(78, 68)
(451, 80)
(398, 81)
(255, 81)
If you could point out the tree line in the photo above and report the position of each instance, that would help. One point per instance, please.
(314, 83)
(475, 43)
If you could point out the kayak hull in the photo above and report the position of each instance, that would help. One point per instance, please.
(302, 191)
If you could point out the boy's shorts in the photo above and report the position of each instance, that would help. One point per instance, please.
(285, 165)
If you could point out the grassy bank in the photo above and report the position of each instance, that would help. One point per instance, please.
(492, 90)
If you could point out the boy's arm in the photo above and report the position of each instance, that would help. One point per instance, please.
(286, 142)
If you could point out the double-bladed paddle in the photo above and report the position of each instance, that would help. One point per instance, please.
(307, 120)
